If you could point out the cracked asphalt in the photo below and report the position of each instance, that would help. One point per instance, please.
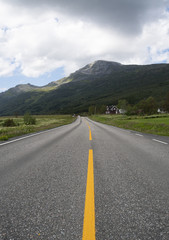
(43, 184)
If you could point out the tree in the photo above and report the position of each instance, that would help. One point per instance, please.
(28, 119)
(166, 104)
(16, 114)
(91, 110)
(151, 106)
(122, 104)
(101, 109)
(147, 106)
(132, 110)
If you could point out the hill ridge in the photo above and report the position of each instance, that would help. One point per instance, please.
(100, 82)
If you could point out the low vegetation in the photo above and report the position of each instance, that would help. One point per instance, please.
(9, 123)
(20, 125)
(154, 124)
(28, 119)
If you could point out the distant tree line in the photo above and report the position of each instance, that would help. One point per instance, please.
(147, 106)
(97, 109)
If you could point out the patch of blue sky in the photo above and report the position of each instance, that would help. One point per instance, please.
(164, 61)
(56, 19)
(18, 78)
(164, 51)
(5, 29)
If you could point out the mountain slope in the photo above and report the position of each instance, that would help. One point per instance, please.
(98, 83)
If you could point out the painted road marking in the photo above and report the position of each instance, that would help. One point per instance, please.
(31, 135)
(90, 135)
(159, 141)
(19, 139)
(139, 135)
(89, 212)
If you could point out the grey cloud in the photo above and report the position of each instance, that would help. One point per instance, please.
(126, 16)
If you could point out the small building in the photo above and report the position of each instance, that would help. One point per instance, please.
(112, 110)
(122, 111)
(161, 111)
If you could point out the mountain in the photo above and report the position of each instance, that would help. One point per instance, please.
(98, 83)
(96, 69)
(23, 88)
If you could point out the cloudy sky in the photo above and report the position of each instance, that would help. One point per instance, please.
(44, 40)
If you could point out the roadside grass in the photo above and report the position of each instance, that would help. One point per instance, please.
(154, 124)
(43, 122)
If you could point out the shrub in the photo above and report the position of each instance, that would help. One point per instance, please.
(9, 123)
(29, 120)
(4, 138)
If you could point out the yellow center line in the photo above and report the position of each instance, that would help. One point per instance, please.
(89, 212)
(90, 135)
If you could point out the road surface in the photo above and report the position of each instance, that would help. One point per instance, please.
(85, 181)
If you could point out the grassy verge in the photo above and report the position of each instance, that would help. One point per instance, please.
(155, 124)
(42, 123)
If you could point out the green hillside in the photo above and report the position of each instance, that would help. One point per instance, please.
(98, 83)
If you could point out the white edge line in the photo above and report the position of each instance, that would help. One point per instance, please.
(139, 135)
(159, 141)
(35, 134)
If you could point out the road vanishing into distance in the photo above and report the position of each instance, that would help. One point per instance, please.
(85, 181)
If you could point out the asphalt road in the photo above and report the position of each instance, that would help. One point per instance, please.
(43, 184)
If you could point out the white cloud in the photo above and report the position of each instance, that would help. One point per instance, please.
(128, 16)
(6, 67)
(34, 41)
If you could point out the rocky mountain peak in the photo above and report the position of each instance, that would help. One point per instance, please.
(99, 67)
(24, 87)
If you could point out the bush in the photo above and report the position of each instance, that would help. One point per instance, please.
(9, 123)
(4, 138)
(29, 120)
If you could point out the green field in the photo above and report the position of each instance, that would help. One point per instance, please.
(42, 123)
(155, 124)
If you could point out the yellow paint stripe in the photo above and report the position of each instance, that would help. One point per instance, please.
(89, 212)
(90, 135)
